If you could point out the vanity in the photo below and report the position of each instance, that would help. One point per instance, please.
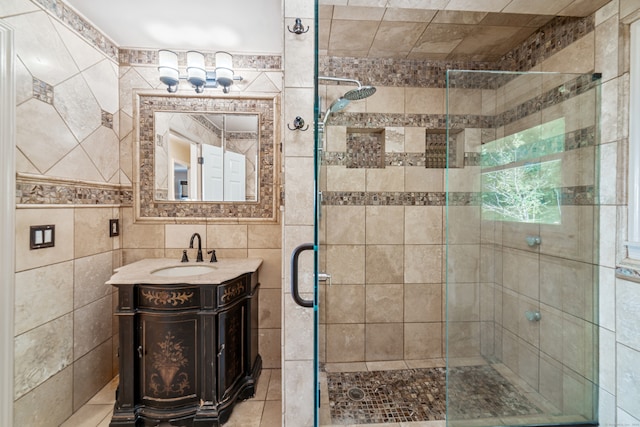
(188, 344)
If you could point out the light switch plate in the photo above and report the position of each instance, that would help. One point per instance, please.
(114, 228)
(42, 236)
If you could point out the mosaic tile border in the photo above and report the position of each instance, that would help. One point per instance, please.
(265, 209)
(87, 31)
(569, 196)
(41, 190)
(241, 62)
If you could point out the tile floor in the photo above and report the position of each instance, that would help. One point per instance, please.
(264, 410)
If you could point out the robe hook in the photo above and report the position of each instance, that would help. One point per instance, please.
(298, 28)
(298, 124)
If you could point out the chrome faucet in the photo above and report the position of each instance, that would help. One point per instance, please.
(199, 256)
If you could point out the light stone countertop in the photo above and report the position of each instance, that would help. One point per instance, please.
(140, 272)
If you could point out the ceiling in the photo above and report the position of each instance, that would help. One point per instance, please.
(480, 30)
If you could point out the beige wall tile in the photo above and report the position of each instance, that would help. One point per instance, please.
(264, 236)
(297, 392)
(91, 326)
(384, 341)
(384, 264)
(299, 184)
(418, 178)
(463, 263)
(387, 100)
(465, 101)
(385, 225)
(41, 353)
(227, 236)
(423, 302)
(463, 302)
(140, 236)
(384, 303)
(91, 373)
(345, 304)
(34, 291)
(94, 223)
(178, 236)
(340, 178)
(270, 273)
(423, 264)
(49, 404)
(270, 308)
(345, 343)
(464, 339)
(336, 138)
(521, 272)
(394, 140)
(63, 249)
(345, 225)
(90, 275)
(415, 139)
(298, 322)
(576, 58)
(422, 340)
(269, 347)
(424, 101)
(574, 238)
(463, 224)
(423, 225)
(390, 178)
(346, 263)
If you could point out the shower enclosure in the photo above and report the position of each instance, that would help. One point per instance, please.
(456, 254)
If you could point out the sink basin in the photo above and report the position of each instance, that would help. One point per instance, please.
(184, 270)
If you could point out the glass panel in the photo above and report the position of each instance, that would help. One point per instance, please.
(521, 249)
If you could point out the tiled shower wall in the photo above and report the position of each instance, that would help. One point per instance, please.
(382, 224)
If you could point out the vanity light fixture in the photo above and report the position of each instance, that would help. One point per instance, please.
(222, 75)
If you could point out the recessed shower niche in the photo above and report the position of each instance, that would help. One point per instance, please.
(365, 148)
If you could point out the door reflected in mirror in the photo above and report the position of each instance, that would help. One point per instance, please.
(206, 156)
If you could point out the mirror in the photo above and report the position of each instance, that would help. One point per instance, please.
(180, 136)
(206, 156)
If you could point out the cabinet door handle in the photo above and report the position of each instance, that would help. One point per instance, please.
(140, 351)
(294, 275)
(221, 350)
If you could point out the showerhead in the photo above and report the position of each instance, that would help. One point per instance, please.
(361, 92)
(338, 104)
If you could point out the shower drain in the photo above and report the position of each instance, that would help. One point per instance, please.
(355, 393)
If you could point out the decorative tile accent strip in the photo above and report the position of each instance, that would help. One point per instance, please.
(431, 121)
(240, 62)
(152, 207)
(569, 196)
(69, 16)
(38, 190)
(107, 119)
(361, 198)
(42, 91)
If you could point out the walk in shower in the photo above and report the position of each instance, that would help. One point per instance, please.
(457, 253)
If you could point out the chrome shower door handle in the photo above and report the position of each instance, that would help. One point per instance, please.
(295, 292)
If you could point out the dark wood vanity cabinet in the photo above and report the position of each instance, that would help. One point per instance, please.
(187, 353)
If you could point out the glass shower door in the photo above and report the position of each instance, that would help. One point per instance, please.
(522, 215)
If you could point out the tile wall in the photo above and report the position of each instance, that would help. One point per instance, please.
(74, 164)
(68, 175)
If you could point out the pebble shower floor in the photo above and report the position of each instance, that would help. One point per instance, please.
(420, 395)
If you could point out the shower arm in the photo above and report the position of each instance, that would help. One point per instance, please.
(340, 79)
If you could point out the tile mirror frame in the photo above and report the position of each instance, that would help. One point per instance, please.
(148, 209)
